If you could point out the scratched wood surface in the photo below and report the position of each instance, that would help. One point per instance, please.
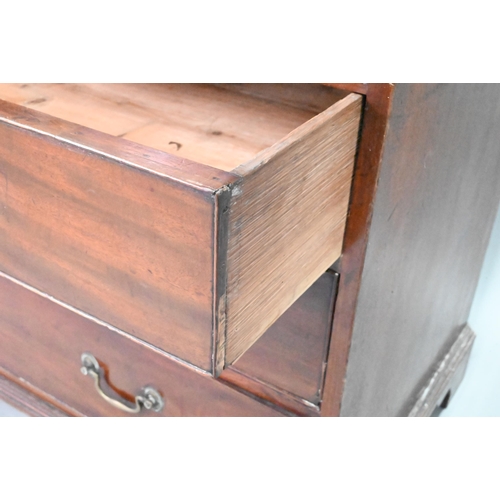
(286, 222)
(217, 126)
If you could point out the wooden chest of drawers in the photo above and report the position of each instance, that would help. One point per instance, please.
(182, 239)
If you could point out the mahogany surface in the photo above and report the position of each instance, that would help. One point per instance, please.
(25, 400)
(42, 343)
(437, 197)
(366, 171)
(127, 246)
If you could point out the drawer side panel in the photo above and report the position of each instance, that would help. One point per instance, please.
(287, 220)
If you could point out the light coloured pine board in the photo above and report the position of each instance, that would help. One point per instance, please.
(286, 222)
(203, 123)
(74, 104)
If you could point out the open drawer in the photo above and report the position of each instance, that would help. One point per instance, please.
(126, 221)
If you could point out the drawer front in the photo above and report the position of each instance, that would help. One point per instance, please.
(194, 260)
(123, 244)
(127, 245)
(42, 343)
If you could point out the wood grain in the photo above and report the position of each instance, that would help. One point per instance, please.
(438, 193)
(283, 367)
(126, 244)
(286, 222)
(41, 343)
(447, 376)
(140, 239)
(25, 401)
(217, 126)
(291, 355)
(287, 401)
(358, 88)
(350, 266)
(164, 164)
(313, 97)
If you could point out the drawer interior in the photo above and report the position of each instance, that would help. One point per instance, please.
(289, 361)
(221, 125)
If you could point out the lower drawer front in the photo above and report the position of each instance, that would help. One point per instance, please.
(42, 343)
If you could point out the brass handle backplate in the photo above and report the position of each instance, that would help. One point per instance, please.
(147, 398)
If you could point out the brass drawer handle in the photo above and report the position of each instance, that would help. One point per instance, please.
(148, 398)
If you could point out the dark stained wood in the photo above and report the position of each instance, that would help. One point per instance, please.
(436, 201)
(126, 245)
(285, 367)
(366, 171)
(41, 343)
(25, 401)
(285, 400)
(291, 355)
